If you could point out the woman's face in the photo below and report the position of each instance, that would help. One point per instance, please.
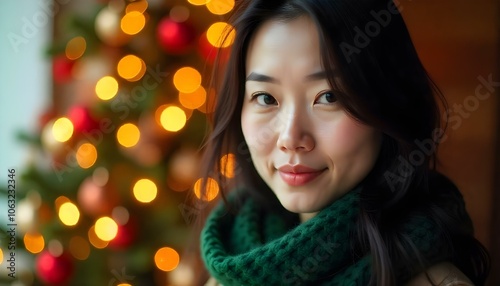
(302, 143)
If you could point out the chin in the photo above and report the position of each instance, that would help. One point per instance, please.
(296, 204)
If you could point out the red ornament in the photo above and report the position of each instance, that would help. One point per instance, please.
(54, 270)
(126, 235)
(82, 119)
(175, 37)
(62, 68)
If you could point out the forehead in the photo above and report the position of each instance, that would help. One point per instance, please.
(289, 42)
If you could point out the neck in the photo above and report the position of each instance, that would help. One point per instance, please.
(306, 216)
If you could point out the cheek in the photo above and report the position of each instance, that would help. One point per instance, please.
(258, 134)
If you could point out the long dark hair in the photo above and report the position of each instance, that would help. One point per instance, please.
(370, 57)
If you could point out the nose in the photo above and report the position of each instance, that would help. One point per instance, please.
(295, 135)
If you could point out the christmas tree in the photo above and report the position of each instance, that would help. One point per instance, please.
(111, 192)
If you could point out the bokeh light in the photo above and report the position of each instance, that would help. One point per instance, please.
(187, 79)
(145, 190)
(106, 228)
(86, 155)
(34, 242)
(60, 201)
(139, 6)
(133, 22)
(128, 135)
(220, 7)
(55, 247)
(179, 13)
(173, 118)
(69, 214)
(193, 100)
(100, 176)
(120, 215)
(198, 2)
(62, 130)
(167, 259)
(227, 164)
(1, 256)
(79, 247)
(131, 68)
(75, 48)
(95, 240)
(211, 189)
(221, 34)
(106, 88)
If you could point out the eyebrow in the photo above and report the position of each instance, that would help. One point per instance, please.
(253, 76)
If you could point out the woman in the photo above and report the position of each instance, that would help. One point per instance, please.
(334, 125)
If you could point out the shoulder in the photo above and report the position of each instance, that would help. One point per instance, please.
(441, 274)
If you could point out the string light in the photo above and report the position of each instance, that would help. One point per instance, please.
(86, 155)
(131, 68)
(220, 7)
(34, 242)
(166, 259)
(62, 130)
(69, 214)
(133, 22)
(211, 189)
(193, 100)
(128, 135)
(173, 118)
(187, 79)
(106, 88)
(95, 240)
(75, 48)
(218, 36)
(145, 190)
(106, 228)
(198, 2)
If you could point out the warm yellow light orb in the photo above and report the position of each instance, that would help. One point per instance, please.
(69, 214)
(167, 259)
(220, 7)
(145, 190)
(128, 135)
(221, 35)
(187, 79)
(62, 129)
(86, 155)
(106, 88)
(211, 189)
(193, 100)
(173, 118)
(198, 2)
(133, 22)
(227, 164)
(34, 242)
(95, 240)
(106, 228)
(131, 68)
(75, 48)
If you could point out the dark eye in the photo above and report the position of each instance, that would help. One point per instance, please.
(327, 98)
(265, 99)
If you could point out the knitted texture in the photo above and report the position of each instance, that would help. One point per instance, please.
(256, 248)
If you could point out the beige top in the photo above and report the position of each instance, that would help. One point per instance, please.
(442, 274)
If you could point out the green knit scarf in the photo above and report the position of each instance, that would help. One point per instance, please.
(258, 248)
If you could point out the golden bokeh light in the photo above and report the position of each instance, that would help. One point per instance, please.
(173, 118)
(128, 135)
(62, 129)
(95, 240)
(34, 242)
(106, 228)
(75, 48)
(133, 22)
(211, 189)
(167, 259)
(124, 284)
(198, 2)
(1, 256)
(59, 201)
(138, 6)
(220, 7)
(187, 79)
(221, 34)
(79, 247)
(69, 214)
(227, 164)
(193, 100)
(145, 190)
(106, 88)
(131, 68)
(86, 155)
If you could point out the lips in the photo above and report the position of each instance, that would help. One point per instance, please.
(298, 175)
